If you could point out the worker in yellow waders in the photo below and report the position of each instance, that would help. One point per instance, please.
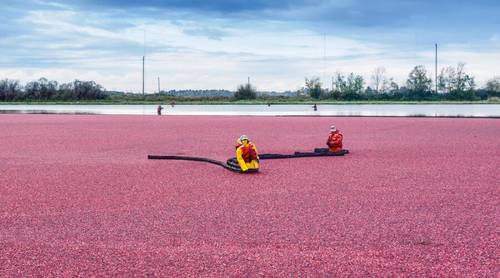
(246, 154)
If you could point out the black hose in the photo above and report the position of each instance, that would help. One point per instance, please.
(317, 152)
(192, 158)
(320, 153)
(233, 165)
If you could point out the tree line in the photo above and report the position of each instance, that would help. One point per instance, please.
(453, 83)
(45, 90)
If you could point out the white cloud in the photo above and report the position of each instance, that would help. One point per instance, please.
(482, 64)
(89, 46)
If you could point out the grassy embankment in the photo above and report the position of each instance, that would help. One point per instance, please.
(152, 99)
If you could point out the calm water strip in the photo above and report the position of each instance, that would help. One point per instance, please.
(403, 110)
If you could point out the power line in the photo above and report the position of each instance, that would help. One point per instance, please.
(324, 57)
(143, 60)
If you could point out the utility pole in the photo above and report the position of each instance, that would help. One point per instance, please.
(248, 81)
(143, 57)
(159, 86)
(436, 68)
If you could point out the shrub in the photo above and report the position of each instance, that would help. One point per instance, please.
(314, 87)
(246, 91)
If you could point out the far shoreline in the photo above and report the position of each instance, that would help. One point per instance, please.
(12, 113)
(248, 102)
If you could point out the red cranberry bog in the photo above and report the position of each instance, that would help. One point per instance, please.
(415, 196)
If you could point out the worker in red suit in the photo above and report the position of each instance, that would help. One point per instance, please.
(334, 141)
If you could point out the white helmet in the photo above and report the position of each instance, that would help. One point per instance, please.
(243, 137)
(333, 128)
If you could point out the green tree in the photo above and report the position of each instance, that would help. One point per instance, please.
(355, 85)
(9, 90)
(493, 86)
(41, 89)
(379, 80)
(456, 83)
(339, 86)
(313, 86)
(348, 88)
(246, 91)
(419, 85)
(81, 90)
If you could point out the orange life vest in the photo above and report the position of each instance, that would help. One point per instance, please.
(335, 140)
(248, 152)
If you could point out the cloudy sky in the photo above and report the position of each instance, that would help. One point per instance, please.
(196, 44)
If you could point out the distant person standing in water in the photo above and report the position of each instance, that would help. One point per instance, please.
(158, 109)
(315, 107)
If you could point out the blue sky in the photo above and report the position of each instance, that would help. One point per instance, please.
(218, 44)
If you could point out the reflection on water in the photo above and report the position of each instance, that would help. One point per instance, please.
(405, 110)
(35, 111)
